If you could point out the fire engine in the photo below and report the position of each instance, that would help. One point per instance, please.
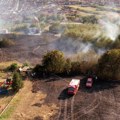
(73, 86)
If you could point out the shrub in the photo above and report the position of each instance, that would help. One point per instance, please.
(75, 68)
(13, 67)
(25, 64)
(89, 19)
(19, 27)
(17, 82)
(67, 67)
(83, 31)
(6, 43)
(56, 28)
(53, 62)
(109, 65)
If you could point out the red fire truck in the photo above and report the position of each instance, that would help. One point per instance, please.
(73, 86)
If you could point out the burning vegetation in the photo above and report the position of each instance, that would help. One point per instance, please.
(55, 63)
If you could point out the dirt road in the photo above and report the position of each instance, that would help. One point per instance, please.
(31, 105)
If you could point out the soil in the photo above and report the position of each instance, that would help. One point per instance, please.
(102, 102)
(47, 99)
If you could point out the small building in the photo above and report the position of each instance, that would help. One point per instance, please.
(25, 70)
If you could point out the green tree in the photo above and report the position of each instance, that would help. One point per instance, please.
(17, 82)
(109, 65)
(75, 68)
(13, 67)
(25, 64)
(38, 70)
(67, 67)
(54, 62)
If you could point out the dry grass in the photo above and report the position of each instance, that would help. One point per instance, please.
(90, 9)
(99, 11)
(30, 104)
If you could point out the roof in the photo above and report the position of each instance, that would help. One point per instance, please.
(24, 69)
(74, 82)
(89, 79)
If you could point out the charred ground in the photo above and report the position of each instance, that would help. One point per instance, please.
(26, 48)
(99, 103)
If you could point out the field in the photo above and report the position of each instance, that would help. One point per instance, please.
(48, 98)
(79, 11)
(5, 99)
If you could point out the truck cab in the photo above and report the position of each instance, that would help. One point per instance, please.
(73, 86)
(89, 83)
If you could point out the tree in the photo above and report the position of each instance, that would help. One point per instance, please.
(13, 67)
(38, 70)
(109, 65)
(17, 82)
(75, 68)
(6, 43)
(53, 62)
(67, 67)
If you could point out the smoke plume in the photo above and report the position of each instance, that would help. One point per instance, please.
(110, 23)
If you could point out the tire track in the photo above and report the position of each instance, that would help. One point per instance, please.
(64, 112)
(62, 115)
(117, 106)
(72, 108)
(60, 110)
(111, 98)
(88, 109)
(65, 109)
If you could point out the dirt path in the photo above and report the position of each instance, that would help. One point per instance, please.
(31, 105)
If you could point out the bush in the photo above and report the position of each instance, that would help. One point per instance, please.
(6, 43)
(13, 67)
(67, 67)
(25, 64)
(84, 31)
(89, 19)
(53, 62)
(19, 27)
(109, 65)
(56, 28)
(75, 68)
(17, 82)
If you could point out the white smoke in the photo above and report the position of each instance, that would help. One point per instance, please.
(110, 23)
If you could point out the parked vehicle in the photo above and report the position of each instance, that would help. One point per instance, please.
(89, 83)
(8, 81)
(73, 86)
(3, 91)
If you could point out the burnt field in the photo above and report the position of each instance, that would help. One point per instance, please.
(27, 48)
(102, 102)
